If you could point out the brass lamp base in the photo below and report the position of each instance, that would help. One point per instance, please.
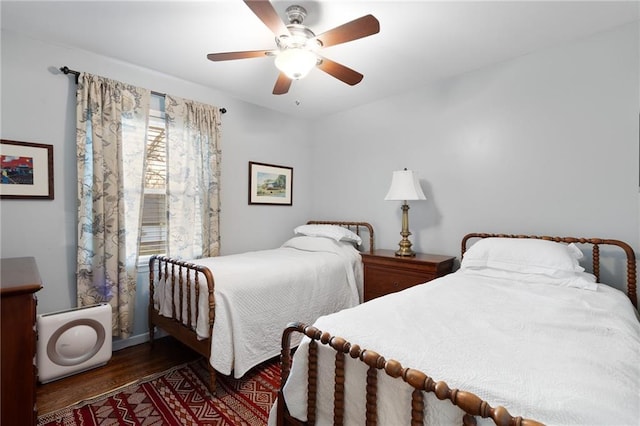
(405, 251)
(405, 244)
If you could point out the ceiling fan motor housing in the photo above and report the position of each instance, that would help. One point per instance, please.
(299, 37)
(296, 14)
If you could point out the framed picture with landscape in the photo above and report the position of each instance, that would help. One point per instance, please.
(270, 184)
(27, 170)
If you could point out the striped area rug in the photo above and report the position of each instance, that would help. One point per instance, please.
(179, 397)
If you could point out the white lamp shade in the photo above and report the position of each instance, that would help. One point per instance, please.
(405, 186)
(296, 63)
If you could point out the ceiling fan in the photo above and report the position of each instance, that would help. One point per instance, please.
(297, 46)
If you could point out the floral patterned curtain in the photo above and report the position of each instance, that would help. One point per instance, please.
(193, 174)
(110, 136)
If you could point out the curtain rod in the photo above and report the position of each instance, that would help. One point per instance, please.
(66, 70)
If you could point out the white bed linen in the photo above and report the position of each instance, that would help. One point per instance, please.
(258, 293)
(555, 354)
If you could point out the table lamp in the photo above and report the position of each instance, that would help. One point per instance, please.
(405, 186)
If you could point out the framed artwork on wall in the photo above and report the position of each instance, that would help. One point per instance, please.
(270, 184)
(27, 170)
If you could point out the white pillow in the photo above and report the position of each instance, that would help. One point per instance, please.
(338, 233)
(307, 243)
(582, 280)
(524, 255)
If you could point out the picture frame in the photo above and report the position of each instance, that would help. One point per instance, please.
(270, 184)
(26, 170)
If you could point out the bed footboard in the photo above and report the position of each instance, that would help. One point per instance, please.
(470, 403)
(182, 276)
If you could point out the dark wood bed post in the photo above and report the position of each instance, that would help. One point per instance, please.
(338, 391)
(285, 364)
(212, 317)
(151, 303)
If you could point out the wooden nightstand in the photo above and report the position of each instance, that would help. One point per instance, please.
(385, 273)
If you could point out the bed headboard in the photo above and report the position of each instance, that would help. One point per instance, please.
(356, 227)
(595, 244)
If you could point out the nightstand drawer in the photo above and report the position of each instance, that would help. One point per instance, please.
(385, 273)
(385, 281)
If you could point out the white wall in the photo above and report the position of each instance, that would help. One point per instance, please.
(38, 105)
(544, 144)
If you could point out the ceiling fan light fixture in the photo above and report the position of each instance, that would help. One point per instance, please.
(296, 63)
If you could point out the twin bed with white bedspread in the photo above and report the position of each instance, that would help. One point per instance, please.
(246, 300)
(520, 325)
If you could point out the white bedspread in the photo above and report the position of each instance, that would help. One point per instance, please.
(258, 293)
(560, 355)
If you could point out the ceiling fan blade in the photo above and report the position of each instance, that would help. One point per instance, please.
(341, 72)
(358, 28)
(264, 10)
(283, 83)
(227, 56)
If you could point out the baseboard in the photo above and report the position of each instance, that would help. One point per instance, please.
(136, 340)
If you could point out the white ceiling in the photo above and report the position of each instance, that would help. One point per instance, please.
(419, 41)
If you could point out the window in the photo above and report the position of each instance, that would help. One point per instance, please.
(153, 231)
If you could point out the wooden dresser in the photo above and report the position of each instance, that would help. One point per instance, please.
(385, 273)
(19, 282)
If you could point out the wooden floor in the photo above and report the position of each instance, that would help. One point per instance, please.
(126, 366)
